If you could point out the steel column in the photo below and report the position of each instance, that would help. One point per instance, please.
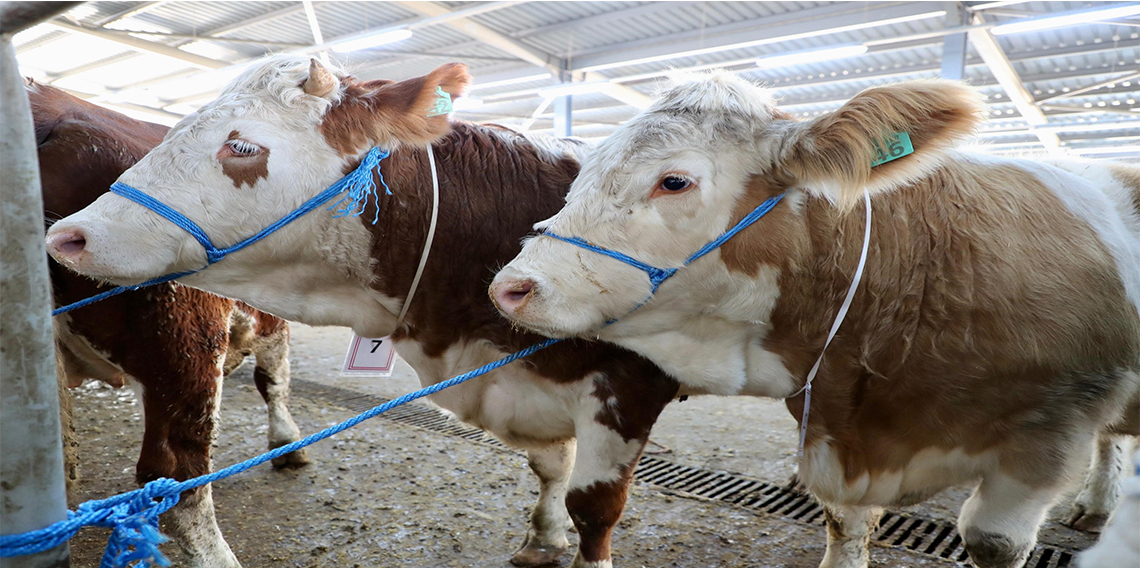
(954, 46)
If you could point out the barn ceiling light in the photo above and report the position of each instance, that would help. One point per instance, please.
(467, 103)
(575, 89)
(514, 81)
(1108, 150)
(813, 56)
(1067, 19)
(370, 41)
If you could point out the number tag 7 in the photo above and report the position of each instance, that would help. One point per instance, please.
(369, 356)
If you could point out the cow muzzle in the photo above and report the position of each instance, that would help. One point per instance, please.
(89, 247)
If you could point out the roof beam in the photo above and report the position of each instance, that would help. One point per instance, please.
(315, 28)
(1002, 70)
(628, 13)
(485, 34)
(157, 113)
(794, 25)
(1088, 88)
(513, 47)
(134, 10)
(778, 84)
(189, 38)
(143, 45)
(215, 32)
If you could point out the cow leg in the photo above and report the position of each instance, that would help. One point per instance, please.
(193, 526)
(599, 486)
(848, 534)
(612, 428)
(272, 378)
(176, 444)
(999, 522)
(1101, 490)
(546, 540)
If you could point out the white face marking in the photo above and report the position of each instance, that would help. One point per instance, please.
(658, 189)
(622, 200)
(128, 243)
(320, 266)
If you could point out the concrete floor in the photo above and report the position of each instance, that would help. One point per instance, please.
(387, 494)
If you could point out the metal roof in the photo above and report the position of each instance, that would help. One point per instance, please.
(1079, 82)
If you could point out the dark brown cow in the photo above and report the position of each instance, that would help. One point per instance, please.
(172, 343)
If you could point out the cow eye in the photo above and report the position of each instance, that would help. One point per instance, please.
(675, 184)
(242, 148)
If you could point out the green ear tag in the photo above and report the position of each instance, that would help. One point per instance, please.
(893, 147)
(443, 104)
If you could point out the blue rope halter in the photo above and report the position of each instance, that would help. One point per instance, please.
(659, 275)
(359, 184)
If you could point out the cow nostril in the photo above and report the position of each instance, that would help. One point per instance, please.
(68, 243)
(512, 295)
(519, 292)
(74, 246)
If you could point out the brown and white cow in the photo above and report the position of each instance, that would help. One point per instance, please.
(173, 344)
(288, 128)
(995, 332)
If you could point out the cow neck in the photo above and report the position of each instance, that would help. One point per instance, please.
(493, 187)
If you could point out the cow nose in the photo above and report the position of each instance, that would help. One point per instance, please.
(510, 295)
(67, 244)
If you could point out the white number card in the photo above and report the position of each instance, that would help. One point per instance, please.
(368, 356)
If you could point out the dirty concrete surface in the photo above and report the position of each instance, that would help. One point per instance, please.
(389, 494)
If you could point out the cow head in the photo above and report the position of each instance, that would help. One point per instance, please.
(677, 176)
(280, 133)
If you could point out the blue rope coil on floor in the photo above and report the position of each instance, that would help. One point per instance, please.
(134, 515)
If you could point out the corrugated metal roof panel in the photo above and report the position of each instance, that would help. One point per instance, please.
(1049, 61)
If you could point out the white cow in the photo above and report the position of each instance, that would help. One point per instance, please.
(995, 331)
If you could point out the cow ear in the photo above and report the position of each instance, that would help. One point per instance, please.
(416, 111)
(882, 138)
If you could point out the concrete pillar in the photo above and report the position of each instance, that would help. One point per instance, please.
(32, 494)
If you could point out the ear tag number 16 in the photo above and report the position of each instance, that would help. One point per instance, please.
(893, 147)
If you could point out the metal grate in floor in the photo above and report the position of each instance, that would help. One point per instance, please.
(924, 536)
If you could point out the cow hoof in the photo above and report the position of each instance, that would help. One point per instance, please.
(291, 460)
(534, 554)
(1083, 520)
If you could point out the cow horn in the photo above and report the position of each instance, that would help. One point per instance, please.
(320, 82)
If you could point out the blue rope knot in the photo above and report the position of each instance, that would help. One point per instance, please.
(360, 186)
(659, 275)
(134, 522)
